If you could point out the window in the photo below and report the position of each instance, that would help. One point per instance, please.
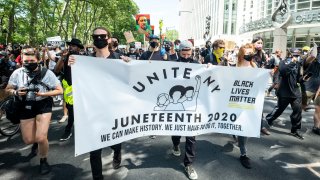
(315, 4)
(251, 4)
(305, 5)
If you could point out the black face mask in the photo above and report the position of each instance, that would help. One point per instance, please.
(115, 44)
(182, 59)
(247, 57)
(167, 48)
(153, 44)
(100, 43)
(30, 66)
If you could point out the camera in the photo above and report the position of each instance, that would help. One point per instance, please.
(31, 92)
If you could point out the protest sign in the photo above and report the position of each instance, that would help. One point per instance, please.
(116, 101)
(129, 36)
(54, 41)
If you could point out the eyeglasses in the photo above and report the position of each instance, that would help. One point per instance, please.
(99, 36)
(29, 51)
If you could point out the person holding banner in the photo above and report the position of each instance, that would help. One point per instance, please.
(101, 36)
(154, 52)
(185, 56)
(245, 59)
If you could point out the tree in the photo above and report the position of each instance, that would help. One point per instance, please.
(172, 35)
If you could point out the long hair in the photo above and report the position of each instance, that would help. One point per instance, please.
(241, 53)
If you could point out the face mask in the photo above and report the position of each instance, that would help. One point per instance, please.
(182, 59)
(305, 53)
(90, 49)
(100, 43)
(30, 66)
(258, 46)
(247, 57)
(176, 46)
(167, 48)
(131, 49)
(115, 44)
(153, 44)
(219, 52)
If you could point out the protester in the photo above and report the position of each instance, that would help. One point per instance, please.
(288, 93)
(216, 57)
(207, 51)
(259, 56)
(185, 56)
(74, 48)
(273, 64)
(100, 37)
(154, 52)
(170, 52)
(114, 45)
(34, 86)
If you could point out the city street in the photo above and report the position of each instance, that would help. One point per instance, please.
(278, 156)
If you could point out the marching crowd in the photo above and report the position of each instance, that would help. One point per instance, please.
(24, 74)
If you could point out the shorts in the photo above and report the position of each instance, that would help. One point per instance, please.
(37, 107)
(308, 96)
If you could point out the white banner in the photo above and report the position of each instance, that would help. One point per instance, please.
(116, 101)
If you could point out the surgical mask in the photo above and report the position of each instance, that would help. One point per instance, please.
(259, 46)
(248, 57)
(30, 66)
(90, 49)
(305, 53)
(131, 49)
(100, 43)
(153, 44)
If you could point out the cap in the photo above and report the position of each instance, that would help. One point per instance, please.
(306, 48)
(152, 36)
(295, 52)
(185, 45)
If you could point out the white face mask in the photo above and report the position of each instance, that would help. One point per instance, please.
(305, 53)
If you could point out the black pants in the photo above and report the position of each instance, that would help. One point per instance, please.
(189, 148)
(295, 116)
(70, 118)
(96, 162)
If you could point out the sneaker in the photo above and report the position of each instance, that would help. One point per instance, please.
(270, 124)
(44, 166)
(63, 119)
(297, 135)
(192, 174)
(316, 130)
(265, 131)
(245, 161)
(65, 136)
(176, 151)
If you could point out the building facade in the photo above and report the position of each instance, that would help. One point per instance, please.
(239, 21)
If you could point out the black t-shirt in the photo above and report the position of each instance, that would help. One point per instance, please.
(314, 82)
(289, 79)
(155, 56)
(67, 69)
(133, 55)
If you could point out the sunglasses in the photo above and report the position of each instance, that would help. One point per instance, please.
(99, 36)
(29, 51)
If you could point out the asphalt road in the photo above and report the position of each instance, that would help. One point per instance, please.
(278, 156)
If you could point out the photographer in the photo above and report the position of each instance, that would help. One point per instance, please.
(33, 86)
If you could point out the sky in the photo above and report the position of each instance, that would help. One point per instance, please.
(167, 10)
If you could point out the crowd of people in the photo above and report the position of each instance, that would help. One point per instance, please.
(295, 79)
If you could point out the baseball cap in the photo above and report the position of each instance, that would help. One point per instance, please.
(185, 45)
(152, 36)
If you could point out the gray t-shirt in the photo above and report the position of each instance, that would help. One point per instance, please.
(20, 78)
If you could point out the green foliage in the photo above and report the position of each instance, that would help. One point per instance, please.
(32, 21)
(172, 35)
